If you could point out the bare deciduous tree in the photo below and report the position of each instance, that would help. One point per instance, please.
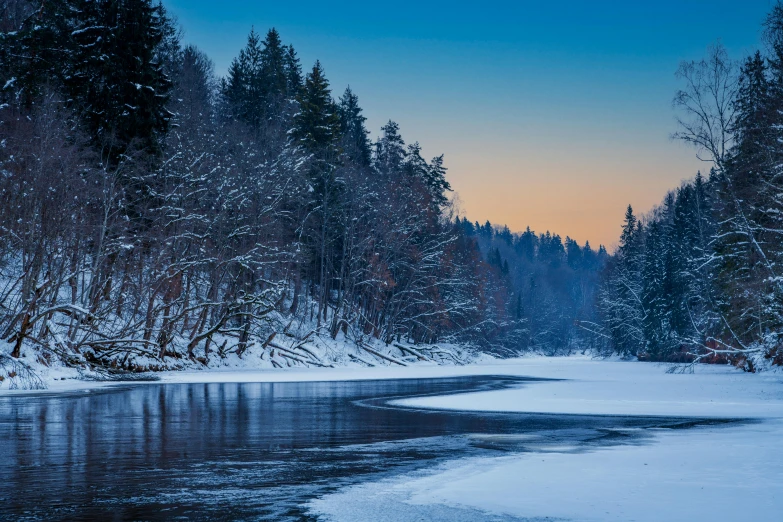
(706, 104)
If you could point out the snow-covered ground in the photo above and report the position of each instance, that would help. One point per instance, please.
(726, 474)
(719, 473)
(321, 358)
(594, 386)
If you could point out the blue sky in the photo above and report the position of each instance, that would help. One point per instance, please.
(551, 114)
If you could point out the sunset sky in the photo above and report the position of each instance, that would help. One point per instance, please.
(553, 115)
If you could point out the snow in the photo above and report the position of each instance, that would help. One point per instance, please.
(257, 365)
(714, 473)
(66, 380)
(727, 474)
(625, 388)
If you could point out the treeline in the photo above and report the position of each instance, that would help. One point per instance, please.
(151, 210)
(550, 287)
(701, 277)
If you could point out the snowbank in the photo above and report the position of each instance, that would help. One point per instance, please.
(319, 359)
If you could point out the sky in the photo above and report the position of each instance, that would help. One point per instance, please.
(551, 114)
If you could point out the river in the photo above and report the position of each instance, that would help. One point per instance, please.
(253, 451)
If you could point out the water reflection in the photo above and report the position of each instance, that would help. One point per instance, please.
(249, 451)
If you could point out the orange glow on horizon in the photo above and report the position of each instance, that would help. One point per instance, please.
(579, 198)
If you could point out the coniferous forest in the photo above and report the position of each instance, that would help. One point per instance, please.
(153, 213)
(701, 276)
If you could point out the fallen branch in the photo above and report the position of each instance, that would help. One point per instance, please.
(416, 353)
(307, 351)
(283, 351)
(292, 357)
(380, 355)
(357, 358)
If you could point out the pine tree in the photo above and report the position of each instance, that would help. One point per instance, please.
(750, 208)
(435, 180)
(355, 134)
(621, 300)
(389, 151)
(274, 73)
(654, 293)
(118, 86)
(244, 89)
(293, 72)
(317, 125)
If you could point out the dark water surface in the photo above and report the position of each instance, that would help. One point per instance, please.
(255, 451)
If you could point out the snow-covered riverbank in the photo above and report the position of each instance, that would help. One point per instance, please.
(718, 473)
(319, 359)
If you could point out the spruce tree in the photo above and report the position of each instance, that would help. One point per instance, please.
(621, 300)
(244, 89)
(316, 134)
(317, 125)
(355, 135)
(415, 166)
(118, 85)
(389, 150)
(526, 244)
(168, 52)
(486, 230)
(273, 73)
(574, 256)
(750, 208)
(702, 265)
(37, 52)
(505, 234)
(293, 72)
(629, 243)
(435, 180)
(654, 298)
